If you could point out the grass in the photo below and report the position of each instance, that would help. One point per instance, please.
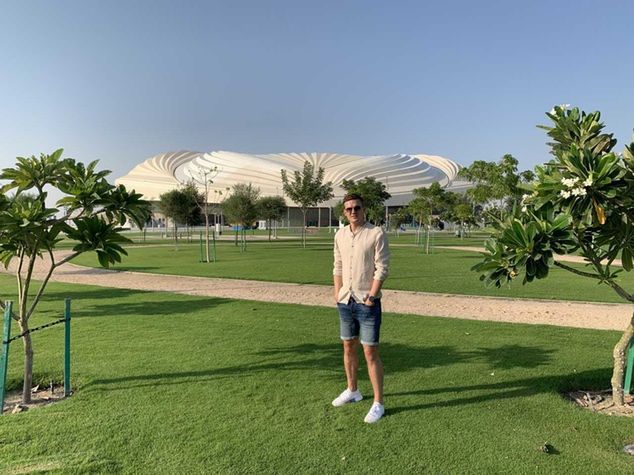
(175, 384)
(444, 271)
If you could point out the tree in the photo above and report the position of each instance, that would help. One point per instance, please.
(271, 208)
(399, 218)
(307, 189)
(241, 208)
(203, 178)
(496, 182)
(195, 215)
(91, 213)
(180, 206)
(581, 202)
(463, 214)
(426, 203)
(374, 194)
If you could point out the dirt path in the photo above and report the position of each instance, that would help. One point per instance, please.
(548, 312)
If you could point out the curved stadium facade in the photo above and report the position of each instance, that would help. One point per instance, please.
(401, 173)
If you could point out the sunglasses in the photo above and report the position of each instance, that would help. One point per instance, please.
(355, 208)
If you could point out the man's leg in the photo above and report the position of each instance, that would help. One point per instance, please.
(350, 339)
(351, 362)
(375, 370)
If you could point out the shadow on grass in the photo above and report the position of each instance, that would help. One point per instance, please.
(97, 293)
(126, 268)
(109, 303)
(327, 357)
(592, 379)
(172, 307)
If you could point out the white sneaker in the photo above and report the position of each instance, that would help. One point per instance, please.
(375, 413)
(346, 397)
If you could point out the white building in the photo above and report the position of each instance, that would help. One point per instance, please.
(401, 173)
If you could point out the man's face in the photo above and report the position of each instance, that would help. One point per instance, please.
(354, 211)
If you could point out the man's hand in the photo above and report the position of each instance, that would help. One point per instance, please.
(338, 284)
(367, 302)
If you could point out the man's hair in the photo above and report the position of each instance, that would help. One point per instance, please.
(352, 196)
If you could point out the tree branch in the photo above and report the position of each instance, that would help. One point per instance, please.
(53, 266)
(66, 259)
(27, 284)
(579, 272)
(603, 273)
(18, 275)
(621, 291)
(3, 307)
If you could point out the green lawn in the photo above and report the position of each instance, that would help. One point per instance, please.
(176, 384)
(444, 271)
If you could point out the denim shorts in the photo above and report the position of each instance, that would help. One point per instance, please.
(360, 321)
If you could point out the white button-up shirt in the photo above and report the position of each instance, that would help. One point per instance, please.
(359, 259)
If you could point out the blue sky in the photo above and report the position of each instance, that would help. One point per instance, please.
(122, 81)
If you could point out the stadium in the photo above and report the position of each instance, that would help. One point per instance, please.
(401, 173)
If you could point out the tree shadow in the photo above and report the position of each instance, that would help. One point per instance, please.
(472, 256)
(515, 356)
(324, 358)
(165, 308)
(591, 379)
(91, 293)
(100, 303)
(127, 268)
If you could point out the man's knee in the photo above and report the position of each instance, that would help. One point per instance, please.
(371, 354)
(350, 345)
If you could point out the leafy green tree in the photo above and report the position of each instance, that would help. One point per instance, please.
(241, 208)
(398, 218)
(91, 213)
(374, 194)
(496, 182)
(272, 209)
(426, 203)
(462, 213)
(181, 206)
(581, 202)
(307, 189)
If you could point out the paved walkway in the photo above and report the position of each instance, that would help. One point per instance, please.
(548, 312)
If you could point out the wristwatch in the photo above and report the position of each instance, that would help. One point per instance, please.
(371, 298)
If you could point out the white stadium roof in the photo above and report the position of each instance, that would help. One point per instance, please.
(401, 173)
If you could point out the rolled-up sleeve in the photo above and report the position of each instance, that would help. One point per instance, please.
(337, 267)
(381, 257)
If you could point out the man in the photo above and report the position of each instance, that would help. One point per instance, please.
(361, 265)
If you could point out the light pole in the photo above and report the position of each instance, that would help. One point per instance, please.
(387, 226)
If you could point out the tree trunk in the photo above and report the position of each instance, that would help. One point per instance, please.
(207, 237)
(268, 223)
(427, 244)
(620, 359)
(418, 233)
(304, 229)
(28, 364)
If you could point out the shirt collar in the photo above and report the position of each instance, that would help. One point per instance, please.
(361, 228)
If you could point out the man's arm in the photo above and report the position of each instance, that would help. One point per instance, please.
(338, 284)
(337, 271)
(381, 265)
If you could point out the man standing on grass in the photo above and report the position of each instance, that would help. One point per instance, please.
(361, 265)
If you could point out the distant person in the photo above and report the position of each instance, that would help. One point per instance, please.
(361, 265)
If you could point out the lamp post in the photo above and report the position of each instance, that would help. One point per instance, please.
(387, 224)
